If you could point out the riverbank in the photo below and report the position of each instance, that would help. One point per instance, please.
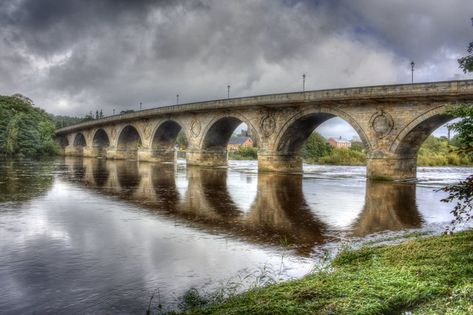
(423, 276)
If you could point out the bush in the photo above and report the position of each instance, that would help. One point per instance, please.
(343, 156)
(244, 153)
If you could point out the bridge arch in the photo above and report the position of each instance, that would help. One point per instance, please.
(79, 140)
(165, 135)
(410, 139)
(297, 129)
(100, 142)
(128, 143)
(62, 141)
(220, 129)
(101, 139)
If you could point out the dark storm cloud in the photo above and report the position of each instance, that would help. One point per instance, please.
(75, 56)
(46, 26)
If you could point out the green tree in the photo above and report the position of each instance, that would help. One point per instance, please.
(466, 63)
(24, 129)
(181, 140)
(316, 147)
(462, 192)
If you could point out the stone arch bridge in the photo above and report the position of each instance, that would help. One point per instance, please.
(392, 122)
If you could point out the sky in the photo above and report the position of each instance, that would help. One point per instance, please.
(72, 57)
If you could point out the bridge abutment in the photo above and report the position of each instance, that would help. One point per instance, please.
(391, 168)
(150, 155)
(122, 154)
(94, 151)
(73, 151)
(206, 158)
(279, 163)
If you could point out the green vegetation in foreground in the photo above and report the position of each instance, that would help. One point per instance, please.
(25, 130)
(424, 276)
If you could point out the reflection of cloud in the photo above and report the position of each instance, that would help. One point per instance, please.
(76, 245)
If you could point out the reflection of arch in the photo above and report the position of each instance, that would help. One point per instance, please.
(211, 186)
(100, 172)
(164, 184)
(298, 128)
(220, 129)
(410, 139)
(165, 135)
(280, 207)
(78, 169)
(79, 140)
(388, 206)
(128, 176)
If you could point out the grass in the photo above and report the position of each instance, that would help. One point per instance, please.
(431, 275)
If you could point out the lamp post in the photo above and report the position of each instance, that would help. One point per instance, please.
(303, 82)
(228, 91)
(177, 99)
(114, 111)
(140, 105)
(412, 71)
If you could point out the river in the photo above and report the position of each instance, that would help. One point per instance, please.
(88, 235)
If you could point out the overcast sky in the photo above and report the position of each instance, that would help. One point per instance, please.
(74, 56)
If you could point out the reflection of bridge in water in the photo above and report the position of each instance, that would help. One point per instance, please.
(279, 213)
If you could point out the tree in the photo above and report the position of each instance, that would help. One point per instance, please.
(462, 192)
(466, 63)
(316, 147)
(181, 140)
(24, 129)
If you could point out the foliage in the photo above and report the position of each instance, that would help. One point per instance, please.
(423, 276)
(243, 153)
(464, 128)
(357, 146)
(181, 140)
(344, 156)
(25, 130)
(466, 63)
(316, 147)
(438, 152)
(462, 193)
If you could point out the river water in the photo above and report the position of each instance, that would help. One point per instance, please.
(87, 235)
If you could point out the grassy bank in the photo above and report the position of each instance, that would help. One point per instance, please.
(423, 276)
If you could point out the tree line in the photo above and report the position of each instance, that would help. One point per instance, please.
(25, 130)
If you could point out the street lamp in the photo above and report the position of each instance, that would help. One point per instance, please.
(303, 82)
(412, 71)
(140, 105)
(177, 99)
(228, 91)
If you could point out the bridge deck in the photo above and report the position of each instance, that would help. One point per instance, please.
(380, 93)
